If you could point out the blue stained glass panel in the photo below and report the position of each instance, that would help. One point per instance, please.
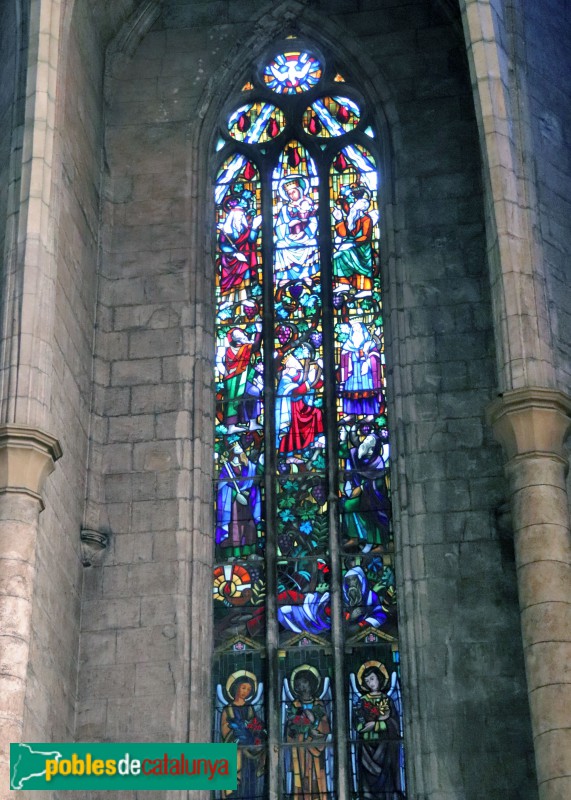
(292, 72)
(331, 116)
(255, 123)
(369, 598)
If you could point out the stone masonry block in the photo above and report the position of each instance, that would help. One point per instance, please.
(156, 399)
(105, 613)
(109, 682)
(139, 428)
(150, 344)
(156, 679)
(116, 581)
(117, 457)
(130, 548)
(143, 721)
(155, 578)
(139, 371)
(91, 717)
(16, 577)
(178, 368)
(117, 402)
(146, 644)
(155, 456)
(449, 495)
(158, 610)
(98, 647)
(155, 515)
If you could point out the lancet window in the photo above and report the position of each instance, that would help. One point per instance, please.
(306, 659)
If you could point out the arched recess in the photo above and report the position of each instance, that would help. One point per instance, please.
(362, 72)
(193, 172)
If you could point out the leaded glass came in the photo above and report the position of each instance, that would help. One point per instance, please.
(306, 659)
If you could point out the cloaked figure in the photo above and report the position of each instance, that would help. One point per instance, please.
(299, 422)
(360, 373)
(239, 721)
(306, 700)
(310, 612)
(239, 364)
(354, 226)
(376, 721)
(239, 504)
(366, 509)
(237, 245)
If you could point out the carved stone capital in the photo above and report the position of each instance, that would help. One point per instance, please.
(531, 422)
(27, 457)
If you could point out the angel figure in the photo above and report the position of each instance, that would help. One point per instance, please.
(240, 721)
(376, 723)
(306, 704)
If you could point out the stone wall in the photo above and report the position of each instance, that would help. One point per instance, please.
(135, 611)
(146, 606)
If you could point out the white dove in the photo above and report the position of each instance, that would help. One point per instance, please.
(291, 72)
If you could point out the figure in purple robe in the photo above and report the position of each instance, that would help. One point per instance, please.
(360, 374)
(239, 504)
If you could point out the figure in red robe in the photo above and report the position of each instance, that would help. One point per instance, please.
(237, 245)
(299, 422)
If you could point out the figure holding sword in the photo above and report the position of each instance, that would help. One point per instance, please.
(239, 504)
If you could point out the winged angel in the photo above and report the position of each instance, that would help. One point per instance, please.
(239, 720)
(306, 718)
(376, 724)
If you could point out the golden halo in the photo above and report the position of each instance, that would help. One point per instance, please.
(305, 668)
(241, 673)
(381, 667)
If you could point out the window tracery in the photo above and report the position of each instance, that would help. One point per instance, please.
(306, 659)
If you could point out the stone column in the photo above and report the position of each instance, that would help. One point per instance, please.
(27, 457)
(532, 425)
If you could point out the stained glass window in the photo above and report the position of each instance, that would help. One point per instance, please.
(306, 656)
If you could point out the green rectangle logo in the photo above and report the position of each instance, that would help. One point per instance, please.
(122, 766)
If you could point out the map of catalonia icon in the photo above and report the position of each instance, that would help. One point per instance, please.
(28, 766)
